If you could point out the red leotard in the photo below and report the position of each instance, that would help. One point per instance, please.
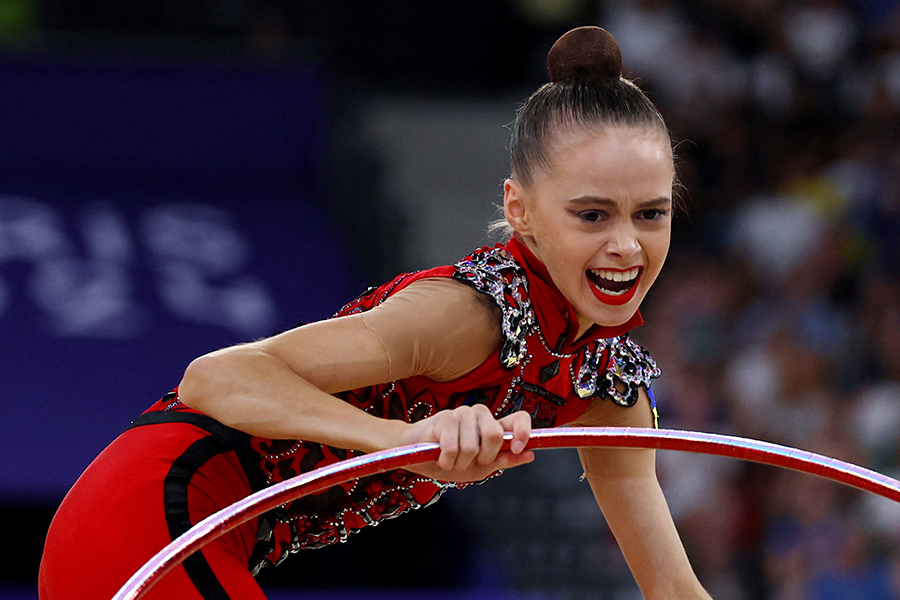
(175, 466)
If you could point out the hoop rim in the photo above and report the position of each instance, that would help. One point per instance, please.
(320, 479)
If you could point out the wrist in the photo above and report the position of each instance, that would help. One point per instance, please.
(384, 434)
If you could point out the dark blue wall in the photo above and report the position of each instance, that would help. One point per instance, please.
(147, 216)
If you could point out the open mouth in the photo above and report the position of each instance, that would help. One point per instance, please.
(614, 286)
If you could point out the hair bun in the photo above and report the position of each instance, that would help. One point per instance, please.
(583, 52)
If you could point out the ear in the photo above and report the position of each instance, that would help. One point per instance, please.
(514, 207)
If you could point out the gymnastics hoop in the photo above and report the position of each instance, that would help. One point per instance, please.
(323, 478)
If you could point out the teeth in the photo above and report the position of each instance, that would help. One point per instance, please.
(616, 275)
(612, 293)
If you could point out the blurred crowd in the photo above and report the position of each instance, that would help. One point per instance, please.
(778, 317)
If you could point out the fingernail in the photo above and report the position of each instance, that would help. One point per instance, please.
(517, 446)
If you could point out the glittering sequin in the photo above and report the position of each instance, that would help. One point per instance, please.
(494, 272)
(627, 365)
(628, 368)
(586, 381)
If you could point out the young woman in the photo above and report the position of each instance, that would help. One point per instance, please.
(531, 333)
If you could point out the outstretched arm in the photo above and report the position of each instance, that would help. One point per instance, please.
(628, 492)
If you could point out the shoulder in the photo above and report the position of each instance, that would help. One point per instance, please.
(437, 327)
(495, 273)
(623, 381)
(614, 368)
(492, 271)
(466, 310)
(629, 368)
(446, 300)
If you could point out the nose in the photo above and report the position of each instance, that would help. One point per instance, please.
(623, 241)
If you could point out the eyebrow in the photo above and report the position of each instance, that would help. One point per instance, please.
(595, 200)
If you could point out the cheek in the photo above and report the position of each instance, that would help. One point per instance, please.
(657, 250)
(565, 266)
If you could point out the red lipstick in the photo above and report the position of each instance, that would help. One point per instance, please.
(614, 300)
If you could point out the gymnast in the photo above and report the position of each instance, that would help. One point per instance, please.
(529, 333)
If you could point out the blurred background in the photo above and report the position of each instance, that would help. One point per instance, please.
(181, 175)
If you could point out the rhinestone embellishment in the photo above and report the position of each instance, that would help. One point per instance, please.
(628, 368)
(496, 273)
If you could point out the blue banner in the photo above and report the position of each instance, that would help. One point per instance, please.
(147, 217)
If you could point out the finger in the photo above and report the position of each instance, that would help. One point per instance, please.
(519, 423)
(491, 433)
(508, 460)
(448, 439)
(514, 460)
(475, 472)
(504, 460)
(469, 442)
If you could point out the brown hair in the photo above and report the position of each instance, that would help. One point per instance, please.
(586, 89)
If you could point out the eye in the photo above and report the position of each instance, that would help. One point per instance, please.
(592, 216)
(653, 214)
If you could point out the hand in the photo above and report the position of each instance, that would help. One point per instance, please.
(470, 439)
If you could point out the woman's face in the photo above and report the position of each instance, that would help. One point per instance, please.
(599, 218)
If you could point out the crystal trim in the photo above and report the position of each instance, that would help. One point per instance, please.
(496, 273)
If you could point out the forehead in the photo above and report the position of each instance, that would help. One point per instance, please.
(611, 156)
(565, 141)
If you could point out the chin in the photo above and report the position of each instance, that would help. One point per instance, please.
(610, 316)
(613, 321)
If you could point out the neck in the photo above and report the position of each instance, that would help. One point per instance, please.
(584, 324)
(530, 244)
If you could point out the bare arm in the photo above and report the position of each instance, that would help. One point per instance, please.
(627, 490)
(281, 387)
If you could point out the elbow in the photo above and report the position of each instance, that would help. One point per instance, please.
(197, 385)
